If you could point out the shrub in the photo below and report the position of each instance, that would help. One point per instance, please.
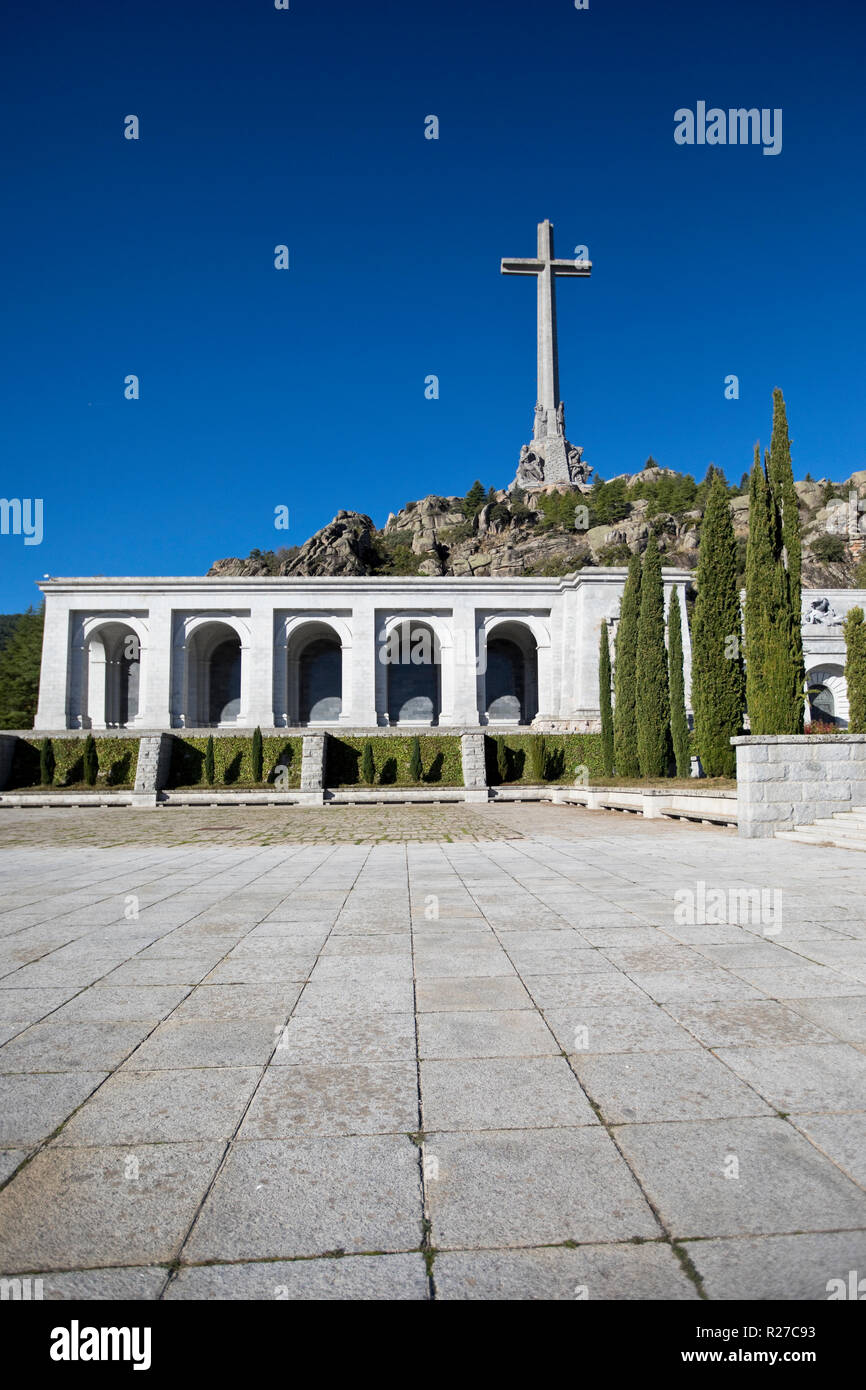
(538, 758)
(828, 549)
(208, 762)
(502, 760)
(416, 770)
(257, 755)
(91, 761)
(368, 766)
(47, 763)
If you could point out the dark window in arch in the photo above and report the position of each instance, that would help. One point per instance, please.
(321, 681)
(506, 680)
(413, 680)
(225, 681)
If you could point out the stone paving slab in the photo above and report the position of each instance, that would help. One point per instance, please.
(475, 1048)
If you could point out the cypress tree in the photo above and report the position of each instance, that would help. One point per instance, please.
(501, 759)
(416, 769)
(46, 763)
(774, 674)
(718, 680)
(209, 771)
(538, 758)
(368, 766)
(604, 703)
(625, 687)
(679, 720)
(789, 557)
(653, 708)
(91, 761)
(257, 754)
(855, 669)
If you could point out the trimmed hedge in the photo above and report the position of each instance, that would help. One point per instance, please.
(117, 762)
(563, 754)
(440, 759)
(233, 764)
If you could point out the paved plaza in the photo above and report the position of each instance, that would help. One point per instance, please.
(519, 1051)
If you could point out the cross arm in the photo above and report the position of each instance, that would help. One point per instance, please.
(571, 267)
(522, 266)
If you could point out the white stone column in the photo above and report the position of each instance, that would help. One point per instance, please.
(52, 712)
(364, 659)
(97, 682)
(260, 657)
(156, 656)
(465, 648)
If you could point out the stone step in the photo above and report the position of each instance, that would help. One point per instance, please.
(818, 835)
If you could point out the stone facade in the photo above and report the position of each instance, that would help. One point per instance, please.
(785, 780)
(154, 654)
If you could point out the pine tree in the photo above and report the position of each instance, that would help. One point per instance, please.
(20, 661)
(855, 669)
(474, 500)
(209, 770)
(257, 755)
(604, 702)
(368, 766)
(416, 769)
(625, 687)
(679, 720)
(91, 761)
(46, 763)
(653, 709)
(718, 680)
(780, 474)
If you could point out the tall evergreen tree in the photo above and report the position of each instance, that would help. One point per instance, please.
(780, 474)
(368, 766)
(774, 672)
(625, 676)
(91, 761)
(855, 669)
(604, 702)
(47, 762)
(416, 769)
(653, 707)
(718, 680)
(474, 500)
(679, 719)
(257, 755)
(209, 768)
(19, 671)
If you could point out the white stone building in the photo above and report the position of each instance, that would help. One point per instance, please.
(198, 653)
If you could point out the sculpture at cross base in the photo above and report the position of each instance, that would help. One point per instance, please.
(550, 458)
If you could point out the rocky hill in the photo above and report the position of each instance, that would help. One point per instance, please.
(557, 530)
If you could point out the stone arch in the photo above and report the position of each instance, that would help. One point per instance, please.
(827, 694)
(215, 674)
(412, 657)
(510, 675)
(111, 673)
(314, 673)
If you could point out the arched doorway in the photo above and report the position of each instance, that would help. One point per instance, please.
(113, 676)
(827, 695)
(224, 685)
(214, 675)
(511, 675)
(413, 665)
(320, 681)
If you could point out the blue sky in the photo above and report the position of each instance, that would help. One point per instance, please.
(305, 388)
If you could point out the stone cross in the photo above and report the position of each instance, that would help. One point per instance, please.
(545, 267)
